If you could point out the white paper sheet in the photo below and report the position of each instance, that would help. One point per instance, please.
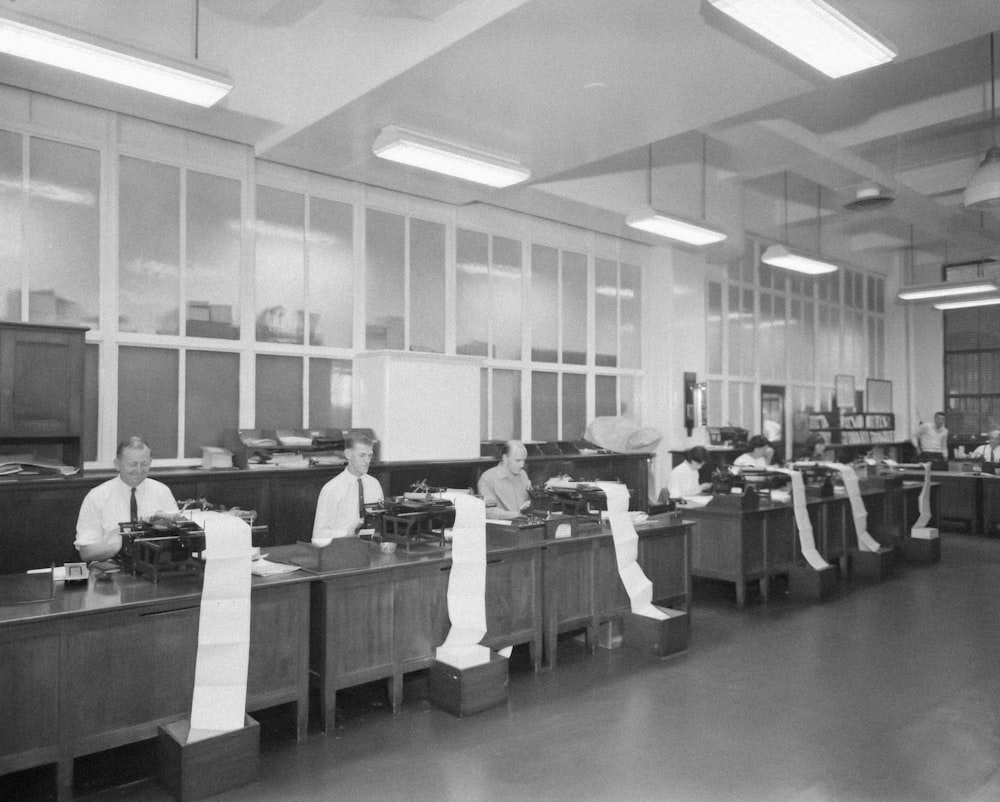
(467, 586)
(637, 584)
(220, 679)
(807, 539)
(924, 502)
(850, 479)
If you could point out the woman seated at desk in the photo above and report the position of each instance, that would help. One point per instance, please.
(685, 477)
(759, 455)
(813, 449)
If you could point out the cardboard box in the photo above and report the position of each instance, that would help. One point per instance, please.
(658, 637)
(208, 767)
(811, 584)
(873, 566)
(921, 551)
(465, 691)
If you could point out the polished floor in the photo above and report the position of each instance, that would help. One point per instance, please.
(886, 692)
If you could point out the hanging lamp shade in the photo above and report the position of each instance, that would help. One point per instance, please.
(983, 191)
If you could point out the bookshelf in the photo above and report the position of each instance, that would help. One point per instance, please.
(855, 432)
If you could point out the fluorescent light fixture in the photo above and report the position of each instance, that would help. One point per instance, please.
(947, 289)
(812, 31)
(429, 153)
(783, 256)
(67, 49)
(675, 228)
(967, 302)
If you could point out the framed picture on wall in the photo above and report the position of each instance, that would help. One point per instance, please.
(844, 391)
(878, 395)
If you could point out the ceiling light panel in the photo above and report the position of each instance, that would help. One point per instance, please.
(812, 31)
(799, 261)
(42, 42)
(947, 289)
(459, 161)
(675, 228)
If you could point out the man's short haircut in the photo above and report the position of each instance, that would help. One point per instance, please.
(696, 454)
(940, 413)
(358, 439)
(132, 442)
(509, 446)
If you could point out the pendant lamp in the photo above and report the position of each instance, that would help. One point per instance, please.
(789, 258)
(983, 191)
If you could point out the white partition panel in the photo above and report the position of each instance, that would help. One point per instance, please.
(420, 406)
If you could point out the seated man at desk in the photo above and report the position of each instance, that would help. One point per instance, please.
(989, 451)
(130, 496)
(505, 486)
(758, 456)
(340, 510)
(685, 477)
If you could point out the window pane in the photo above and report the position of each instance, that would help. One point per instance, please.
(574, 406)
(279, 392)
(506, 404)
(279, 268)
(384, 275)
(544, 304)
(212, 277)
(427, 258)
(147, 398)
(211, 400)
(574, 308)
(505, 298)
(484, 404)
(91, 383)
(544, 412)
(330, 393)
(605, 396)
(713, 326)
(10, 226)
(330, 242)
(605, 313)
(149, 247)
(471, 293)
(629, 405)
(631, 316)
(63, 248)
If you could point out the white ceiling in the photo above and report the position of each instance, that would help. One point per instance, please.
(586, 93)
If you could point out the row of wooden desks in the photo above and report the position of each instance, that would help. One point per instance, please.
(742, 546)
(103, 665)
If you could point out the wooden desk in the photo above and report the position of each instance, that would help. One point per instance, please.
(386, 620)
(582, 588)
(966, 500)
(104, 665)
(743, 546)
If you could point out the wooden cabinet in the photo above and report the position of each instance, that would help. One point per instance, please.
(41, 391)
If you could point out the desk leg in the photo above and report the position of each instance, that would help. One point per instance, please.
(535, 652)
(64, 780)
(396, 691)
(550, 640)
(328, 709)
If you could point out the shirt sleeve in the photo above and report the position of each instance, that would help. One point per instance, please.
(486, 489)
(89, 529)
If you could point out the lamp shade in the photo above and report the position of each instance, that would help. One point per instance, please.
(673, 227)
(783, 256)
(983, 190)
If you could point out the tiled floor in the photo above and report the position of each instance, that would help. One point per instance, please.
(886, 692)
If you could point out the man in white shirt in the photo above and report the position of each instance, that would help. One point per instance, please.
(990, 451)
(505, 486)
(130, 496)
(685, 477)
(341, 503)
(931, 440)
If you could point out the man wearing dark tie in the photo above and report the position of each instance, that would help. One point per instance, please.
(989, 451)
(341, 505)
(130, 496)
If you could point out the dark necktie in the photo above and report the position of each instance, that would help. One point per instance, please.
(361, 499)
(133, 506)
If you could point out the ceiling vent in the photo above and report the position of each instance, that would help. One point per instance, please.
(869, 197)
